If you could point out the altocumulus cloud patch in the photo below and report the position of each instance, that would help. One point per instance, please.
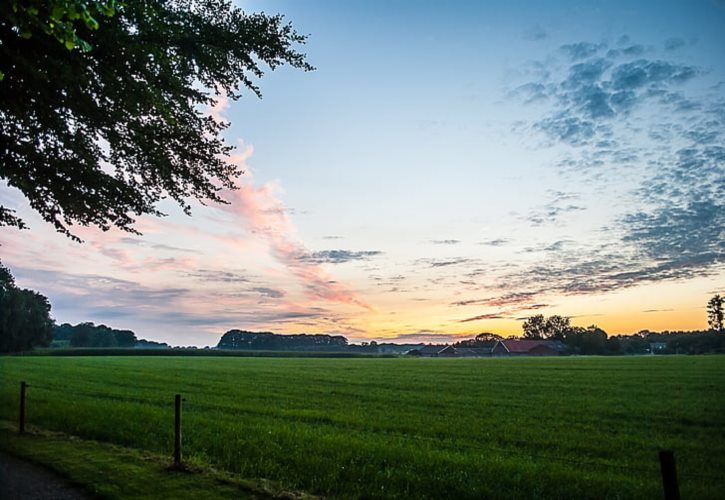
(630, 109)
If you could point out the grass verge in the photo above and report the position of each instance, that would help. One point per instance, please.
(111, 471)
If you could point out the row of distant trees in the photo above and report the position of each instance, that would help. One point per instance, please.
(91, 335)
(581, 340)
(267, 341)
(594, 340)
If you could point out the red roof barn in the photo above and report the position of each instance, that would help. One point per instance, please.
(515, 347)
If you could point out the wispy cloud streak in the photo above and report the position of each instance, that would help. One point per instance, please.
(259, 210)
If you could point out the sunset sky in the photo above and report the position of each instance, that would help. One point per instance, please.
(449, 168)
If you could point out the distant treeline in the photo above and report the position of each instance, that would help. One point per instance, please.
(593, 340)
(695, 342)
(98, 336)
(579, 341)
(267, 341)
(596, 341)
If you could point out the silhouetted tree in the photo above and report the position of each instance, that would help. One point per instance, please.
(90, 335)
(535, 327)
(481, 340)
(594, 340)
(555, 327)
(24, 316)
(613, 345)
(715, 314)
(125, 338)
(101, 102)
(487, 337)
(634, 344)
(63, 332)
(589, 340)
(240, 339)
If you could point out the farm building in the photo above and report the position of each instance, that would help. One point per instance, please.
(433, 351)
(516, 347)
(500, 348)
(473, 352)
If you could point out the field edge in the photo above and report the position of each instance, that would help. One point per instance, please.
(105, 470)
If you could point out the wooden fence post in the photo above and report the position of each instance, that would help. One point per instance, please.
(669, 475)
(21, 423)
(177, 430)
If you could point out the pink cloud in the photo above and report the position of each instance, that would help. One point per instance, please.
(219, 108)
(260, 211)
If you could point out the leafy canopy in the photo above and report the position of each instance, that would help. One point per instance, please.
(715, 313)
(101, 103)
(25, 320)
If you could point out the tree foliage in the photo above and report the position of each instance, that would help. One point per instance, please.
(98, 134)
(553, 327)
(90, 335)
(24, 316)
(57, 19)
(715, 314)
(488, 337)
(484, 339)
(589, 340)
(240, 339)
(535, 327)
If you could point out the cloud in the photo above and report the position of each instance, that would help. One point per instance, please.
(674, 44)
(559, 204)
(641, 73)
(156, 246)
(91, 291)
(483, 316)
(445, 242)
(597, 88)
(581, 50)
(512, 298)
(571, 130)
(269, 292)
(495, 243)
(339, 256)
(259, 210)
(535, 33)
(633, 50)
(602, 268)
(640, 115)
(217, 276)
(168, 313)
(425, 337)
(444, 262)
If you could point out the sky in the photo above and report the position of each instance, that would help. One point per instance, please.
(449, 168)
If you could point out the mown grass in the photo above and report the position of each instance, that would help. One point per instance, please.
(110, 471)
(423, 428)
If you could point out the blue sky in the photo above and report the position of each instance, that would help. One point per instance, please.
(449, 168)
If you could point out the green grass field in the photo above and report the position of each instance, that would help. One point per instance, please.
(415, 428)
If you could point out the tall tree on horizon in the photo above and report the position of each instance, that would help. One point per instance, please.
(534, 327)
(715, 313)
